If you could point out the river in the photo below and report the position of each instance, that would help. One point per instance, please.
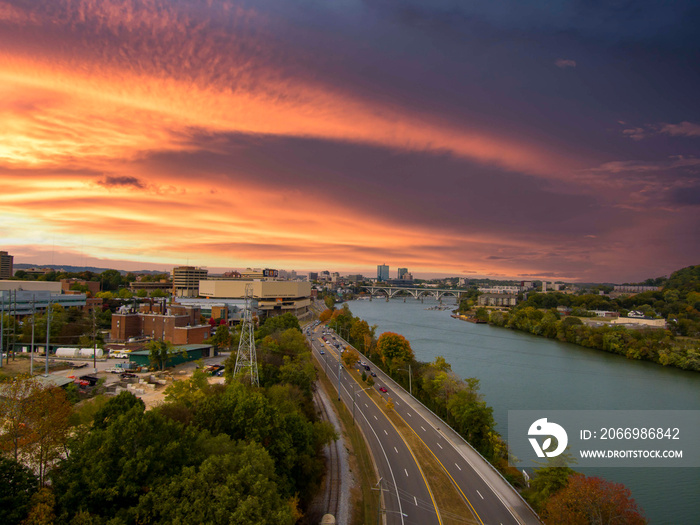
(519, 371)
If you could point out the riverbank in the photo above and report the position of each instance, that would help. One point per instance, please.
(646, 344)
(519, 371)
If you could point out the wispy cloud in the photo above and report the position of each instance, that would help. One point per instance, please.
(682, 129)
(564, 63)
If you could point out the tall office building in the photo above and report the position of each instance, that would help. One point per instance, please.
(382, 272)
(186, 280)
(400, 274)
(6, 265)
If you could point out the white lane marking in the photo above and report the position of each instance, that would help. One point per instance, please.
(416, 500)
(375, 417)
(479, 493)
(423, 428)
(439, 445)
(366, 405)
(386, 432)
(409, 414)
(396, 449)
(406, 471)
(460, 468)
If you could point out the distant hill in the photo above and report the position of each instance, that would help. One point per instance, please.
(76, 269)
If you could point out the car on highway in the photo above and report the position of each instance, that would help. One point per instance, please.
(322, 352)
(374, 374)
(383, 389)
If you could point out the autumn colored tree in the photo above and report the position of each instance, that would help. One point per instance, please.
(350, 358)
(15, 405)
(592, 501)
(394, 350)
(42, 510)
(325, 315)
(48, 420)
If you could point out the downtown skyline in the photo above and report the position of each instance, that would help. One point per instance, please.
(541, 141)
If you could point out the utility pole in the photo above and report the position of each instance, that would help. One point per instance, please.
(94, 339)
(31, 350)
(14, 324)
(48, 336)
(2, 329)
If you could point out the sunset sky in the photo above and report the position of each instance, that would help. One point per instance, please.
(529, 140)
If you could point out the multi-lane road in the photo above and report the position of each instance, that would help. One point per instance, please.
(407, 498)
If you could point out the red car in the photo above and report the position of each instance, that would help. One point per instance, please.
(382, 389)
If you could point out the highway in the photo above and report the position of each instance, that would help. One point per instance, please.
(491, 498)
(407, 500)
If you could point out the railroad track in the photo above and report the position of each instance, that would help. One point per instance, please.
(332, 486)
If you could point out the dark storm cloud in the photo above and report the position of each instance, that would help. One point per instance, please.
(114, 180)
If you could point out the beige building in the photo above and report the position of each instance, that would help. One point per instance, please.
(186, 280)
(497, 299)
(271, 297)
(640, 322)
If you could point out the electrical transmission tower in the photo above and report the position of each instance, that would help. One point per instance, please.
(246, 361)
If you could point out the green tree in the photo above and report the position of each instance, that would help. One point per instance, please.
(238, 487)
(111, 280)
(17, 485)
(125, 293)
(160, 352)
(221, 338)
(549, 479)
(110, 468)
(482, 314)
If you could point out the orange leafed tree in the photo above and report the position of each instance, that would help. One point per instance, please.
(592, 501)
(325, 315)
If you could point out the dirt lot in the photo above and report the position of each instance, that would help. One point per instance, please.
(21, 365)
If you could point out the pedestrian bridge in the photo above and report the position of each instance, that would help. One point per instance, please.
(418, 293)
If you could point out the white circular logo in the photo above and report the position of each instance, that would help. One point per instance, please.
(542, 427)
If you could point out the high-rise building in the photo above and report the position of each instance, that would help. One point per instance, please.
(6, 265)
(400, 274)
(186, 280)
(382, 272)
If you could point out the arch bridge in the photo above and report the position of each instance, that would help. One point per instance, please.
(418, 293)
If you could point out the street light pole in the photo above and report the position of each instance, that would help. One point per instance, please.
(340, 367)
(410, 387)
